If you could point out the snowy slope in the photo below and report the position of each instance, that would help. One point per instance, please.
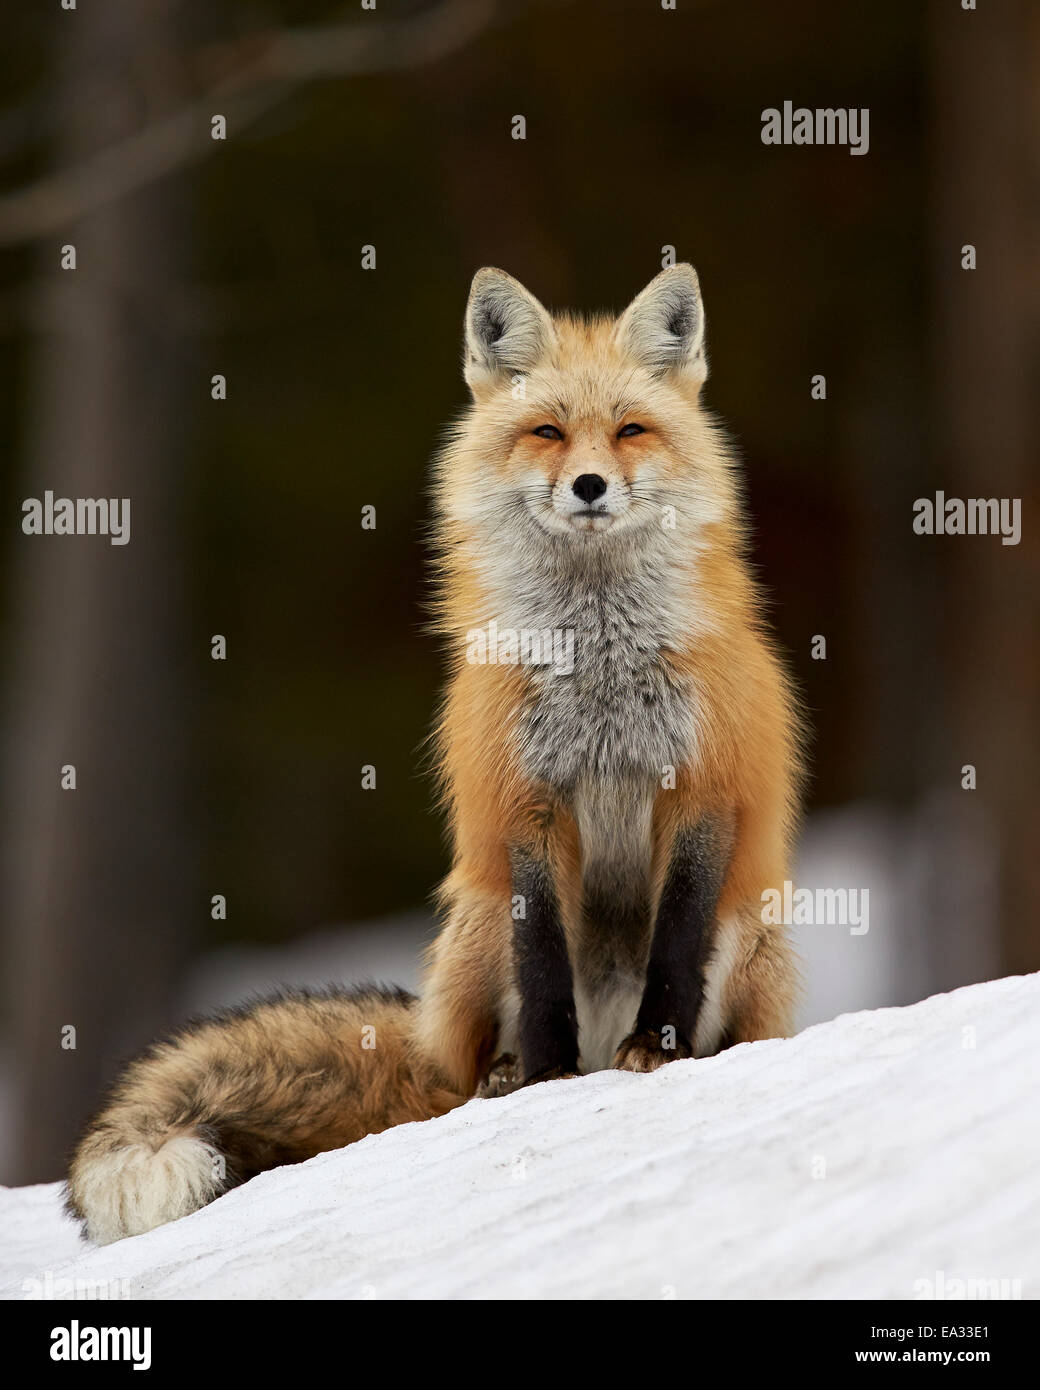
(854, 1160)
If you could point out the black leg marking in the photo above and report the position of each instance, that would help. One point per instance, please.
(683, 939)
(548, 1018)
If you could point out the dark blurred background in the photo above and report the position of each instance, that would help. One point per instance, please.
(391, 128)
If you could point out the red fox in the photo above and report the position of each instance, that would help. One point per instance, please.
(619, 751)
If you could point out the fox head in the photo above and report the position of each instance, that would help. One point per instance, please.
(586, 434)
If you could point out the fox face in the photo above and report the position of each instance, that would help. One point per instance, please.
(586, 435)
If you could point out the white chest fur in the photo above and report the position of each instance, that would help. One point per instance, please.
(616, 709)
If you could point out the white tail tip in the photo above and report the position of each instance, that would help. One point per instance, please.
(136, 1188)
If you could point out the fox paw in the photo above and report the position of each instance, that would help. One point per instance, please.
(503, 1076)
(551, 1074)
(646, 1052)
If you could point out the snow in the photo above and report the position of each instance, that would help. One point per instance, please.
(882, 1154)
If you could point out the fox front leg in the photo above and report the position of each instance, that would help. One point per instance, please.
(548, 1018)
(666, 1024)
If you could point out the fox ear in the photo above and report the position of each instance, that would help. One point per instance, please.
(507, 330)
(663, 327)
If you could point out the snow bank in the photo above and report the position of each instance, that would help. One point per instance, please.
(883, 1154)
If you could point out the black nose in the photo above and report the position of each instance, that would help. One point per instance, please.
(589, 486)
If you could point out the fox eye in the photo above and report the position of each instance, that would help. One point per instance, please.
(548, 432)
(628, 431)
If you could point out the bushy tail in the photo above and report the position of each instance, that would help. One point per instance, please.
(228, 1097)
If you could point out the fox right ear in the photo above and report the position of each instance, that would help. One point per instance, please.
(663, 327)
(507, 330)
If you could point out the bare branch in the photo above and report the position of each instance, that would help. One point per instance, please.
(246, 79)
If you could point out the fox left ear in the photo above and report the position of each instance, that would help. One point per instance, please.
(507, 330)
(663, 327)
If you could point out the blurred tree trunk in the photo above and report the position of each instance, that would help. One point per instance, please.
(984, 157)
(95, 892)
